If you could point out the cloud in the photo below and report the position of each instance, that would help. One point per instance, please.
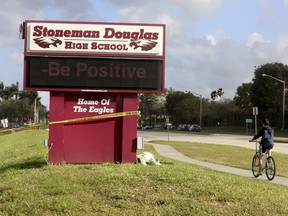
(11, 14)
(16, 58)
(201, 56)
(202, 68)
(212, 39)
(14, 12)
(198, 8)
(175, 8)
(66, 10)
(255, 37)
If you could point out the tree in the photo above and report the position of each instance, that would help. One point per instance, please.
(9, 91)
(183, 107)
(186, 111)
(31, 96)
(220, 92)
(242, 97)
(34, 103)
(173, 98)
(9, 109)
(267, 93)
(14, 109)
(217, 93)
(151, 107)
(214, 95)
(1, 89)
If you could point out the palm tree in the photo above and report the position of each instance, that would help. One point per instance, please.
(1, 89)
(214, 95)
(31, 96)
(217, 93)
(8, 92)
(33, 99)
(220, 92)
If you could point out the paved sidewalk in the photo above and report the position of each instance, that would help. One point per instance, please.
(170, 152)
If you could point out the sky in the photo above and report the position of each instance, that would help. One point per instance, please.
(210, 44)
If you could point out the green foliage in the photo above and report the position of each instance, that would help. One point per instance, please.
(9, 109)
(183, 107)
(186, 110)
(267, 93)
(173, 98)
(217, 94)
(242, 97)
(16, 105)
(9, 92)
(151, 107)
(31, 96)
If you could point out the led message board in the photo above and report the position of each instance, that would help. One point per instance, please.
(94, 73)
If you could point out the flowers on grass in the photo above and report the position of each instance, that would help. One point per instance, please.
(147, 158)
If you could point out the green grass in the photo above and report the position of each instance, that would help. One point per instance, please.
(29, 186)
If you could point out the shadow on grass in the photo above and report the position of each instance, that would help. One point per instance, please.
(29, 164)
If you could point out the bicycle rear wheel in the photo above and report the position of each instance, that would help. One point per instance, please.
(255, 165)
(270, 167)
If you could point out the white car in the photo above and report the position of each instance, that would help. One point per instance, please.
(195, 127)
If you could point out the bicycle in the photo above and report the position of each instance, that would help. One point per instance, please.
(268, 162)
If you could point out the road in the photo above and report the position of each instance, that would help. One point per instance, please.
(223, 139)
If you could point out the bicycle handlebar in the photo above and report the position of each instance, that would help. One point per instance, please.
(254, 141)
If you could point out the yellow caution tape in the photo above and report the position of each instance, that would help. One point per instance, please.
(89, 118)
(3, 131)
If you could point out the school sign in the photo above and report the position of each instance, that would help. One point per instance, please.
(93, 72)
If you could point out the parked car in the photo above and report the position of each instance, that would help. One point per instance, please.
(147, 127)
(158, 126)
(195, 128)
(183, 127)
(13, 125)
(168, 125)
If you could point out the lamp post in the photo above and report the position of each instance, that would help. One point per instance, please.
(283, 108)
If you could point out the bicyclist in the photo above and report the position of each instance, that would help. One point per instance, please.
(266, 133)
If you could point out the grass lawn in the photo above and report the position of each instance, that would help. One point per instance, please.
(29, 186)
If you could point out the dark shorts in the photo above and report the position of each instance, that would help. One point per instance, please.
(266, 147)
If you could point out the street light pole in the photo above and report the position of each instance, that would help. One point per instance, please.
(283, 105)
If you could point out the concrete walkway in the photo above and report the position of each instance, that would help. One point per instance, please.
(170, 152)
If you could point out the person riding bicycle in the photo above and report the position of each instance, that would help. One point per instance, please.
(266, 133)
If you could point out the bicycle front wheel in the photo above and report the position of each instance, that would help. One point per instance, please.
(270, 167)
(255, 165)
